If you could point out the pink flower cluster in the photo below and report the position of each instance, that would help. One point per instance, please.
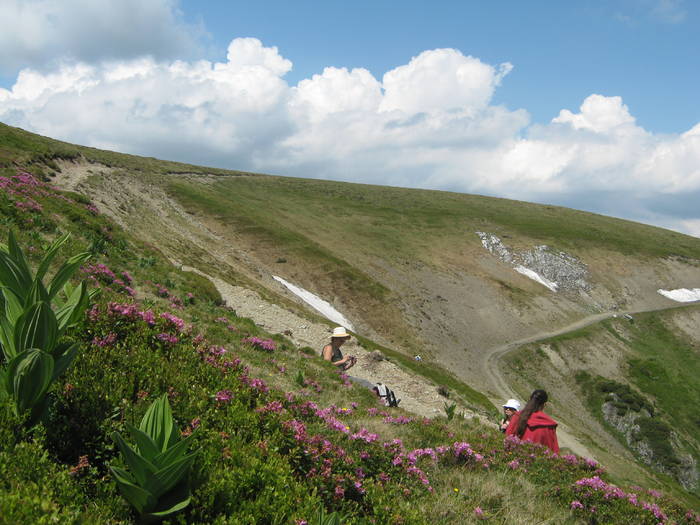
(365, 435)
(25, 186)
(107, 340)
(313, 384)
(223, 396)
(128, 310)
(173, 320)
(167, 338)
(613, 492)
(263, 344)
(100, 274)
(28, 205)
(273, 406)
(398, 420)
(175, 301)
(254, 383)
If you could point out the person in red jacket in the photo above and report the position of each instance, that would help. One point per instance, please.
(531, 424)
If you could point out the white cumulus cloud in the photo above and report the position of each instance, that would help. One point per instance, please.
(441, 79)
(429, 123)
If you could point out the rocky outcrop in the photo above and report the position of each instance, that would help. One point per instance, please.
(560, 268)
(682, 466)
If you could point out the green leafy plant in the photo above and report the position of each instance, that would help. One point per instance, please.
(30, 329)
(321, 518)
(156, 483)
(450, 410)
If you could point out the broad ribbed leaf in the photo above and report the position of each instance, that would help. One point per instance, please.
(64, 360)
(122, 475)
(173, 453)
(146, 447)
(13, 306)
(158, 483)
(49, 256)
(31, 372)
(138, 465)
(7, 334)
(64, 310)
(139, 498)
(15, 253)
(65, 272)
(173, 509)
(36, 328)
(157, 422)
(36, 294)
(74, 308)
(12, 277)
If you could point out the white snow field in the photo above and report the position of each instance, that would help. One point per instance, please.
(537, 277)
(318, 304)
(682, 295)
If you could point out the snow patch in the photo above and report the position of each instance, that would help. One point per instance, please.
(318, 304)
(682, 295)
(536, 277)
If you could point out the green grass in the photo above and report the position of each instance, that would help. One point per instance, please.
(403, 222)
(666, 367)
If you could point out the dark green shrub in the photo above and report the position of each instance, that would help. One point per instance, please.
(658, 435)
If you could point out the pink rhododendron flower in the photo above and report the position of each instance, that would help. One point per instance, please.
(223, 396)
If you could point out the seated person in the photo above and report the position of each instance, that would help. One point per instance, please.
(509, 408)
(332, 351)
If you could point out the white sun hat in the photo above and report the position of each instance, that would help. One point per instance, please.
(512, 403)
(339, 331)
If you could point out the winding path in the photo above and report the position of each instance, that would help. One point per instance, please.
(492, 357)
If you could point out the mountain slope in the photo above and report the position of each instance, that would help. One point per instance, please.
(421, 272)
(406, 266)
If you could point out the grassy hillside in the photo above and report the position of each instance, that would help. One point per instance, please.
(405, 223)
(279, 433)
(379, 213)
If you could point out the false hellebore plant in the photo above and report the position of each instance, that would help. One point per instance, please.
(33, 318)
(156, 483)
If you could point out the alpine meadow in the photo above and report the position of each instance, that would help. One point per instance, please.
(162, 326)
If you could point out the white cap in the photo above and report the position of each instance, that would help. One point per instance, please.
(512, 403)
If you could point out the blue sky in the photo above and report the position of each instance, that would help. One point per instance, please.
(592, 105)
(646, 51)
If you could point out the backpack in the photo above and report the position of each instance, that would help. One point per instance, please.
(387, 395)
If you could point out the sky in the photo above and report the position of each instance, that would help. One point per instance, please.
(590, 104)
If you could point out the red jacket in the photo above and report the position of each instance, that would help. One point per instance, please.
(540, 429)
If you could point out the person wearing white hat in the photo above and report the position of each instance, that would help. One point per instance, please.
(510, 407)
(332, 353)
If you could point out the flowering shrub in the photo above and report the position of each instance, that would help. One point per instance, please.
(100, 274)
(605, 503)
(262, 344)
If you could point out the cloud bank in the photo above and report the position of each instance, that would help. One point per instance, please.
(429, 123)
(41, 33)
